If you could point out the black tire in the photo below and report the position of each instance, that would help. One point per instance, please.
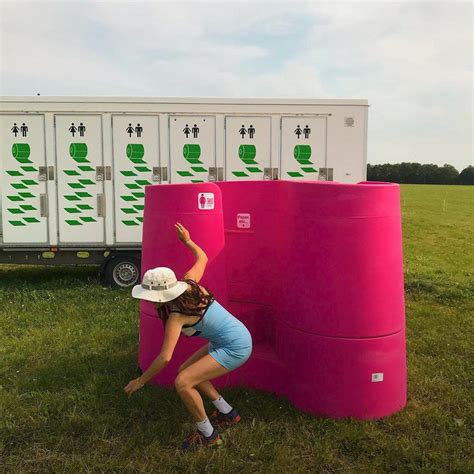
(122, 272)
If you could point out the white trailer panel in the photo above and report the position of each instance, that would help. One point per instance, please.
(192, 148)
(303, 147)
(80, 176)
(136, 160)
(248, 141)
(23, 176)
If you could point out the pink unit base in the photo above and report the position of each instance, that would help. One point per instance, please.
(314, 269)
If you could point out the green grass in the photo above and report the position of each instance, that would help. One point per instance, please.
(68, 346)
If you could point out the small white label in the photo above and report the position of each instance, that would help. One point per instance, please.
(377, 377)
(243, 221)
(206, 201)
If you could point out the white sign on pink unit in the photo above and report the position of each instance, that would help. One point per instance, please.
(205, 201)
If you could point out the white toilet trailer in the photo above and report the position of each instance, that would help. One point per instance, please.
(73, 169)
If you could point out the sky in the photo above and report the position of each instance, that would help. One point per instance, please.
(411, 60)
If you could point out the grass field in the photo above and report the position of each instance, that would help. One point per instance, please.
(68, 346)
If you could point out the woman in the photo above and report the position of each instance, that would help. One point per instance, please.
(185, 306)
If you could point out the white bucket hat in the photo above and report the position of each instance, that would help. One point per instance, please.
(160, 285)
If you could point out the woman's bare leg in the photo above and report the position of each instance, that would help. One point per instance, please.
(203, 370)
(206, 387)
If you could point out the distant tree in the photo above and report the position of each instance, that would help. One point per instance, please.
(450, 174)
(416, 173)
(467, 175)
(411, 173)
(431, 174)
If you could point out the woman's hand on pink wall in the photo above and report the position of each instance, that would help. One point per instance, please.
(183, 233)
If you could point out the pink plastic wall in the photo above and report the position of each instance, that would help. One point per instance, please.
(317, 279)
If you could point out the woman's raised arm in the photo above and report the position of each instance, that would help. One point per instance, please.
(197, 270)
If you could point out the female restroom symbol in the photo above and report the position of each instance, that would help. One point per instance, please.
(298, 131)
(130, 130)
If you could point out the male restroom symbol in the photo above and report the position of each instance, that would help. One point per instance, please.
(306, 131)
(139, 130)
(24, 129)
(81, 129)
(195, 130)
(251, 131)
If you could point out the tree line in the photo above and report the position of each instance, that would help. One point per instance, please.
(417, 173)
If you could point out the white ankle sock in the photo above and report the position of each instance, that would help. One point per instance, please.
(205, 427)
(222, 405)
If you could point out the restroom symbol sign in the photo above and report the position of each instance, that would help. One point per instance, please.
(377, 377)
(194, 131)
(23, 128)
(243, 221)
(206, 201)
(250, 131)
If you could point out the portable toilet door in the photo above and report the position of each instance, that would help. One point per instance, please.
(136, 155)
(303, 147)
(80, 178)
(248, 147)
(23, 179)
(192, 148)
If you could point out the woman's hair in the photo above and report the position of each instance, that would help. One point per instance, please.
(191, 302)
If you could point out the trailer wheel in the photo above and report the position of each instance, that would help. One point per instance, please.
(122, 272)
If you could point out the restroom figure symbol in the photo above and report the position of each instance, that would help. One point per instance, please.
(298, 131)
(24, 129)
(306, 131)
(251, 131)
(129, 130)
(195, 131)
(81, 129)
(139, 130)
(73, 129)
(15, 129)
(187, 131)
(202, 201)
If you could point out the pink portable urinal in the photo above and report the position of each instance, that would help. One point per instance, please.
(340, 377)
(164, 206)
(315, 271)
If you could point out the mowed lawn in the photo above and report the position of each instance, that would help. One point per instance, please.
(68, 346)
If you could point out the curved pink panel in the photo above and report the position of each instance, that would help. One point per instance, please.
(170, 203)
(340, 377)
(330, 254)
(313, 269)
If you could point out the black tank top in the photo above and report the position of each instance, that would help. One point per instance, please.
(166, 310)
